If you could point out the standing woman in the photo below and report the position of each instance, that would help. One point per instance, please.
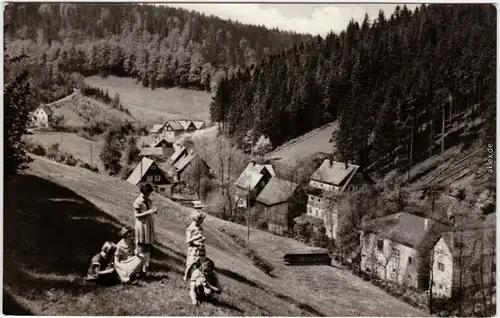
(144, 225)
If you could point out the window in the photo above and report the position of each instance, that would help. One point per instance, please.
(157, 178)
(380, 245)
(409, 260)
(162, 189)
(395, 253)
(149, 178)
(441, 267)
(358, 175)
(153, 167)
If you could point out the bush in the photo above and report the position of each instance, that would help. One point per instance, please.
(70, 160)
(126, 171)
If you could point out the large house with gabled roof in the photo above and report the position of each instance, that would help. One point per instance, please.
(147, 171)
(330, 178)
(250, 182)
(463, 258)
(172, 129)
(393, 247)
(42, 116)
(276, 204)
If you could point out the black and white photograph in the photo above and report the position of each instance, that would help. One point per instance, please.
(249, 159)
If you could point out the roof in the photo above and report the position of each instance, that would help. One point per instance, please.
(198, 123)
(248, 179)
(305, 218)
(406, 229)
(175, 125)
(477, 241)
(334, 173)
(139, 171)
(151, 151)
(176, 155)
(184, 161)
(156, 128)
(46, 109)
(184, 123)
(159, 141)
(276, 191)
(258, 168)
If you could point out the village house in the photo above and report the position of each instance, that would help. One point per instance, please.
(42, 116)
(330, 178)
(172, 129)
(181, 159)
(147, 171)
(250, 182)
(275, 204)
(463, 258)
(393, 247)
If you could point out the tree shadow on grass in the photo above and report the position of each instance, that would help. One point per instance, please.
(12, 307)
(50, 235)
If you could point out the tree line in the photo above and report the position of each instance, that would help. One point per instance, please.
(403, 87)
(160, 46)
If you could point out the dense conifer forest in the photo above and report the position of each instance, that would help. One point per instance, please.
(396, 84)
(158, 45)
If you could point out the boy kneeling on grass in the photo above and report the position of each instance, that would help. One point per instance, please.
(203, 281)
(101, 268)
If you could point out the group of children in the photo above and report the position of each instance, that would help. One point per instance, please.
(200, 272)
(117, 261)
(122, 262)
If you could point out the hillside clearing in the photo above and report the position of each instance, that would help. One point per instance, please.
(44, 277)
(317, 140)
(81, 148)
(158, 105)
(80, 111)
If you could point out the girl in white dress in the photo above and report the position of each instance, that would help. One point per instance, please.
(127, 264)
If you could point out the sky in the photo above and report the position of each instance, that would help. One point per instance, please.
(312, 18)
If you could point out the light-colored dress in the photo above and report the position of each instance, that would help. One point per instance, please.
(195, 252)
(126, 262)
(144, 226)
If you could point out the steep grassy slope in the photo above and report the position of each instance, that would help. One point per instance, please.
(80, 111)
(317, 140)
(74, 211)
(156, 105)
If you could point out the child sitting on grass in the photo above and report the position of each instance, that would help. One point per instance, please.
(203, 281)
(101, 266)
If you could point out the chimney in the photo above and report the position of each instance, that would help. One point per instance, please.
(426, 224)
(346, 165)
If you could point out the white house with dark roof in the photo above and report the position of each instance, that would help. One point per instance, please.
(42, 116)
(392, 247)
(330, 177)
(147, 171)
(172, 129)
(463, 258)
(275, 203)
(251, 181)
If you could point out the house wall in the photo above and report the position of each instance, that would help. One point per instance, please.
(403, 269)
(442, 270)
(155, 176)
(276, 216)
(40, 118)
(323, 186)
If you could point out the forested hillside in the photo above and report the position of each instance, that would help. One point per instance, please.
(158, 45)
(395, 84)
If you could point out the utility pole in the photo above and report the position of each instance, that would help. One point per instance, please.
(91, 155)
(61, 141)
